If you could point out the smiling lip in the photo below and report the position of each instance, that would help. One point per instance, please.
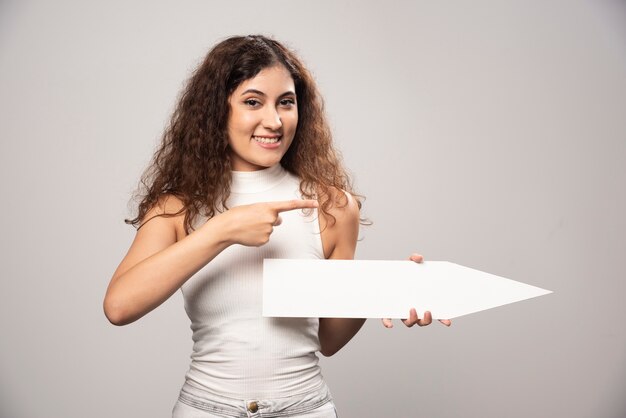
(267, 141)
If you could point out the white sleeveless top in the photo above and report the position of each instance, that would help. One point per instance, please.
(237, 352)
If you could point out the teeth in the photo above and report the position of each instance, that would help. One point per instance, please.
(266, 140)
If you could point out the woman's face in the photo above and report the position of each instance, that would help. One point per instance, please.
(262, 120)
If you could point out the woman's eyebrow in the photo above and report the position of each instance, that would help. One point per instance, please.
(260, 93)
(255, 91)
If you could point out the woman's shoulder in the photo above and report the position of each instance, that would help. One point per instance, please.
(167, 204)
(340, 224)
(169, 210)
(344, 207)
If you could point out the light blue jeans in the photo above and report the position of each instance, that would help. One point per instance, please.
(196, 403)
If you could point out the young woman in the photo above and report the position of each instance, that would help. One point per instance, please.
(246, 171)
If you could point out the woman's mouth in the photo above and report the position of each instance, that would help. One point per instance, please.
(267, 139)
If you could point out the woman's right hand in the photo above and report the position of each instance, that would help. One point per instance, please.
(252, 225)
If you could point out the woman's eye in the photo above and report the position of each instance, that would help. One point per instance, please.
(252, 102)
(287, 102)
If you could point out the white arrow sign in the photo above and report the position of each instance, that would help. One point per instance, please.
(383, 289)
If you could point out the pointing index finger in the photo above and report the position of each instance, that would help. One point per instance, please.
(287, 205)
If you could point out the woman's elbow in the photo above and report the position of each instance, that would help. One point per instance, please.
(114, 312)
(328, 351)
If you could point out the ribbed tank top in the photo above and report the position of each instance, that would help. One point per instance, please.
(237, 352)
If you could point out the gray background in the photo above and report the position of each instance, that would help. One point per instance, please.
(491, 134)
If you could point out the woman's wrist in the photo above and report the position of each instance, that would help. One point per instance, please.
(219, 229)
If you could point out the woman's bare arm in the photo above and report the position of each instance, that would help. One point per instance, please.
(339, 242)
(158, 262)
(161, 258)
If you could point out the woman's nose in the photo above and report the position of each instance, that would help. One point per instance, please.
(271, 119)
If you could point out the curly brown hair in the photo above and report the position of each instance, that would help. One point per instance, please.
(193, 161)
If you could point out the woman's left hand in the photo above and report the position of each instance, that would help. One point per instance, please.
(413, 317)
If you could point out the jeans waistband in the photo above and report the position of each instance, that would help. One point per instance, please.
(264, 407)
